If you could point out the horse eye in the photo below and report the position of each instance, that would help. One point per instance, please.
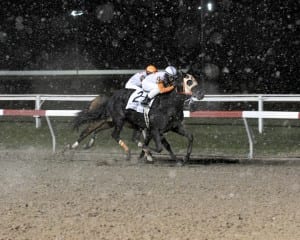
(189, 82)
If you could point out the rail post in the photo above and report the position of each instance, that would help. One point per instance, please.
(250, 138)
(52, 134)
(260, 109)
(38, 122)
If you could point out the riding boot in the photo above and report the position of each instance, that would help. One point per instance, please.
(146, 101)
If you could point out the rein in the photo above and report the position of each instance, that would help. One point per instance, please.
(180, 91)
(184, 93)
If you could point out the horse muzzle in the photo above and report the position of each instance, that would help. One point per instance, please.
(197, 93)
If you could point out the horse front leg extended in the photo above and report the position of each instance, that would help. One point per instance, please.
(116, 135)
(183, 132)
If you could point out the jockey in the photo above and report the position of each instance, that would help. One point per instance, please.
(135, 82)
(159, 82)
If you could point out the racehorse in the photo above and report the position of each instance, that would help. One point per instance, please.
(165, 114)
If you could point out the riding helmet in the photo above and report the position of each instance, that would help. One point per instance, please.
(171, 71)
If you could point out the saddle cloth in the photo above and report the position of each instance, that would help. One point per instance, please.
(134, 102)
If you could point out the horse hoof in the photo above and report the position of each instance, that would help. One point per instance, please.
(179, 163)
(149, 162)
(86, 146)
(142, 154)
(75, 145)
(128, 156)
(68, 147)
(90, 144)
(149, 158)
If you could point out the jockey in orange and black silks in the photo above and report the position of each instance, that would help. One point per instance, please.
(159, 82)
(135, 82)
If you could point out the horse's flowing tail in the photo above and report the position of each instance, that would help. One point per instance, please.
(87, 116)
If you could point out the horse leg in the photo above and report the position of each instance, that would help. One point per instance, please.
(91, 127)
(167, 146)
(183, 132)
(157, 140)
(145, 150)
(91, 142)
(116, 135)
(102, 126)
(86, 132)
(161, 140)
(136, 136)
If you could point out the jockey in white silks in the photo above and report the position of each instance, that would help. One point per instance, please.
(159, 82)
(135, 82)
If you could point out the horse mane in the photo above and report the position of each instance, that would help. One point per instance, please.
(169, 99)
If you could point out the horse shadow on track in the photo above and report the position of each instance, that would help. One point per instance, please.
(211, 160)
(113, 159)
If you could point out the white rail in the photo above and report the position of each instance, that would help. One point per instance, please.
(258, 98)
(69, 72)
(207, 98)
(187, 114)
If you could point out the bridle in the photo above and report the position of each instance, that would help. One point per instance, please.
(182, 87)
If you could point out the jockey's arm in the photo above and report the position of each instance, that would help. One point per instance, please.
(163, 89)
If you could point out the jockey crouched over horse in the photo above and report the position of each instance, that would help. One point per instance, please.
(96, 125)
(162, 113)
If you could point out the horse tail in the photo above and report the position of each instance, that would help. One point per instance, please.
(90, 115)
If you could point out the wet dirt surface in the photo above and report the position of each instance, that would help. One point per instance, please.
(55, 198)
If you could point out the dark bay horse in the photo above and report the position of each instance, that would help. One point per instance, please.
(166, 114)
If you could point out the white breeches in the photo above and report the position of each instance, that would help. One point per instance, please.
(151, 88)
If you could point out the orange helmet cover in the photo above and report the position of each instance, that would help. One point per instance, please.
(151, 69)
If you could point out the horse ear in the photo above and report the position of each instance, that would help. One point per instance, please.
(188, 69)
(194, 69)
(182, 73)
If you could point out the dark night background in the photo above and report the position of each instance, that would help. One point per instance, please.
(243, 46)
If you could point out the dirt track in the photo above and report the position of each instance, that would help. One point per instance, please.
(61, 199)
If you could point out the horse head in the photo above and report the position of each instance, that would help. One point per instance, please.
(188, 85)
